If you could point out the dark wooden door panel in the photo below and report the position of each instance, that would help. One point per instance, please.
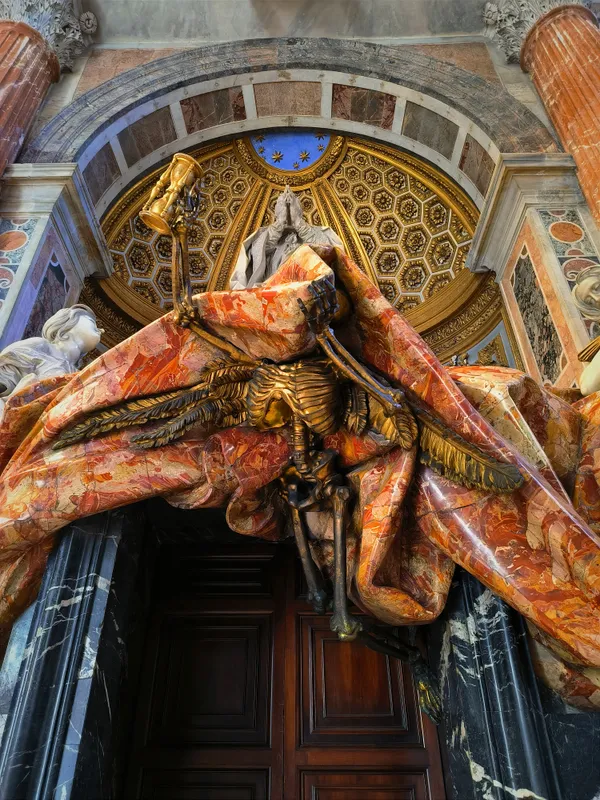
(227, 573)
(213, 681)
(247, 695)
(351, 695)
(230, 784)
(364, 785)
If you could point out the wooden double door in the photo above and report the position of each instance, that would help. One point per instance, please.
(246, 694)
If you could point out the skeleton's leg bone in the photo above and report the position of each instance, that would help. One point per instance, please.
(317, 596)
(342, 622)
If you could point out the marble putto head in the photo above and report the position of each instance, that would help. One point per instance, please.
(586, 292)
(67, 336)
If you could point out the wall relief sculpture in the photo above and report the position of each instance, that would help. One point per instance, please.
(66, 337)
(586, 296)
(308, 406)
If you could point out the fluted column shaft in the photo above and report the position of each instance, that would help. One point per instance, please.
(562, 53)
(27, 68)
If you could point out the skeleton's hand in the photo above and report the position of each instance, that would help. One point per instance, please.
(321, 306)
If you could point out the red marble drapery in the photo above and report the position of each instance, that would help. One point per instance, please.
(27, 68)
(538, 547)
(562, 53)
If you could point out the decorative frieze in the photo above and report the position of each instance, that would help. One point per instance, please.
(509, 21)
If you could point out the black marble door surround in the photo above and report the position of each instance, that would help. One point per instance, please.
(66, 737)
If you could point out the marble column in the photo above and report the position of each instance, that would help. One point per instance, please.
(37, 40)
(27, 68)
(558, 43)
(67, 732)
(504, 735)
(562, 53)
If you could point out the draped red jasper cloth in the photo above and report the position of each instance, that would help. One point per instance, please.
(531, 547)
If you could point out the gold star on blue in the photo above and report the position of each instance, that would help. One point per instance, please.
(320, 135)
(320, 148)
(260, 138)
(296, 165)
(277, 156)
(304, 155)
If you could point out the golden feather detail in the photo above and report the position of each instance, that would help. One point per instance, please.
(228, 401)
(452, 457)
(156, 407)
(399, 428)
(590, 350)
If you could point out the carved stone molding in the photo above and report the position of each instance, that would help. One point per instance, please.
(61, 22)
(509, 21)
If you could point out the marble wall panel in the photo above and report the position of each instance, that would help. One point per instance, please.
(15, 235)
(477, 164)
(542, 335)
(363, 105)
(473, 57)
(101, 172)
(572, 246)
(213, 108)
(297, 98)
(103, 65)
(430, 129)
(147, 135)
(52, 296)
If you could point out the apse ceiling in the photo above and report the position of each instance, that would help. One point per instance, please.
(404, 223)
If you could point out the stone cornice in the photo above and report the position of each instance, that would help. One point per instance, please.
(60, 22)
(521, 182)
(509, 21)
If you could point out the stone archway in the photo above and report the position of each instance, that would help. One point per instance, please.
(128, 125)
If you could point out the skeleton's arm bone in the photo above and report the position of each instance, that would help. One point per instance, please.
(355, 371)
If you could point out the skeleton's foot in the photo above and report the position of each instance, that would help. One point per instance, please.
(319, 600)
(345, 625)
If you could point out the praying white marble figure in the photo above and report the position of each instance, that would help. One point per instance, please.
(66, 337)
(264, 251)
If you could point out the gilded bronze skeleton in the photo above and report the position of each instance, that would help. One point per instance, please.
(311, 397)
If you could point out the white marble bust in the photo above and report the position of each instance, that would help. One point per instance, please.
(66, 337)
(265, 250)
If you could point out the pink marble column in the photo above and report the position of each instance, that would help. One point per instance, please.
(562, 53)
(27, 68)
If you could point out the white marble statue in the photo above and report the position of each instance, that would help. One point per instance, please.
(66, 337)
(265, 250)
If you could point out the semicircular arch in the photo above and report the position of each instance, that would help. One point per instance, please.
(128, 125)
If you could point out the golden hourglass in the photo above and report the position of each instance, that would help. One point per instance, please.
(173, 205)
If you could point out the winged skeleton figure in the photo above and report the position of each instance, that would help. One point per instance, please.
(312, 397)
